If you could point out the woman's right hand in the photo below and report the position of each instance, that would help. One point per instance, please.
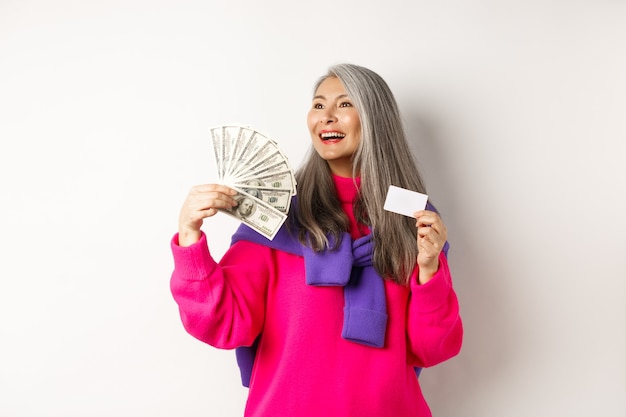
(202, 202)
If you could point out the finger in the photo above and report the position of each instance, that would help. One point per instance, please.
(423, 232)
(421, 213)
(210, 202)
(208, 213)
(426, 228)
(431, 220)
(425, 217)
(198, 207)
(206, 188)
(431, 246)
(427, 255)
(196, 217)
(208, 197)
(432, 235)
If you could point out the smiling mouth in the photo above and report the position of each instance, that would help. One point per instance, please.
(335, 136)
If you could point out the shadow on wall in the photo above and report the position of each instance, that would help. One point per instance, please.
(490, 330)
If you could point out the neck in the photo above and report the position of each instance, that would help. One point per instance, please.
(347, 192)
(341, 168)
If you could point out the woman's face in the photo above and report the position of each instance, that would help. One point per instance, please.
(335, 126)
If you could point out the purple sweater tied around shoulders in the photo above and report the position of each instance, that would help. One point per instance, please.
(350, 266)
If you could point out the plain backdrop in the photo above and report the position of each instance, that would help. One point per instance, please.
(517, 115)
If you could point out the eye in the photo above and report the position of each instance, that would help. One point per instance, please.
(318, 106)
(345, 104)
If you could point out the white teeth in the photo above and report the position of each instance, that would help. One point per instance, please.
(329, 135)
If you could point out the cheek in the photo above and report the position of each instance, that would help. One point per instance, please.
(357, 134)
(355, 122)
(311, 121)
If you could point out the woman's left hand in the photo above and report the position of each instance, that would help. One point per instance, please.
(431, 236)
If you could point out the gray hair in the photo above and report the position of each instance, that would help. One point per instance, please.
(383, 158)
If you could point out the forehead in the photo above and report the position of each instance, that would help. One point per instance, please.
(329, 88)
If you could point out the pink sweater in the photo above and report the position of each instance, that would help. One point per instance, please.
(303, 366)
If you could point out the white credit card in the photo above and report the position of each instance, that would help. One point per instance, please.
(403, 201)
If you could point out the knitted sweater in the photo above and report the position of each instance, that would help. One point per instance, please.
(303, 366)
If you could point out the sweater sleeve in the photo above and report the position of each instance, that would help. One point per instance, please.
(222, 304)
(435, 330)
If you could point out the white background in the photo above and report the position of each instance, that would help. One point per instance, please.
(518, 112)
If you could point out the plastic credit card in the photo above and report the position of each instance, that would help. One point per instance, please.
(403, 201)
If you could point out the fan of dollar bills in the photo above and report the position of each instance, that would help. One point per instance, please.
(252, 164)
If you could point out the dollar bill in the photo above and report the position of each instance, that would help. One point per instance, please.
(260, 216)
(230, 135)
(252, 164)
(237, 164)
(278, 181)
(279, 167)
(217, 142)
(257, 145)
(255, 166)
(279, 199)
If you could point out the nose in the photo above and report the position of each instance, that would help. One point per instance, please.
(328, 117)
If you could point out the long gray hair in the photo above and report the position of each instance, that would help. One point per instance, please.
(382, 158)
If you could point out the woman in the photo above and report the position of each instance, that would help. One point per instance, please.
(321, 349)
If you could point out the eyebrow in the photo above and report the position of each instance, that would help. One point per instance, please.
(324, 98)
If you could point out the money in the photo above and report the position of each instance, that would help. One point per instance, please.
(260, 216)
(281, 181)
(279, 199)
(216, 140)
(252, 164)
